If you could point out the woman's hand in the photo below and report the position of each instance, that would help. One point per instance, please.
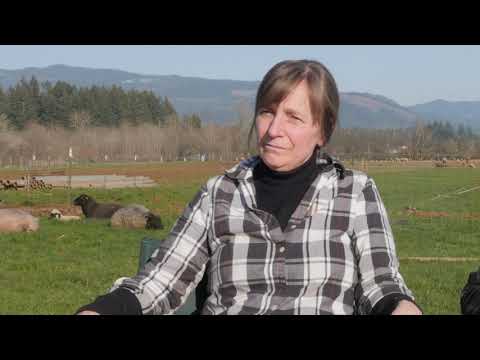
(87, 312)
(406, 307)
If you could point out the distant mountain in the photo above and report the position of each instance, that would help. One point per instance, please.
(214, 100)
(222, 100)
(456, 112)
(75, 75)
(373, 111)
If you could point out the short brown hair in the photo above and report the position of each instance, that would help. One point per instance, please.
(284, 76)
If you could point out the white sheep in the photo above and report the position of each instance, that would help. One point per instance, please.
(56, 214)
(130, 216)
(136, 216)
(17, 220)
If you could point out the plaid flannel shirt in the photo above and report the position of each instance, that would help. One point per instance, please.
(336, 255)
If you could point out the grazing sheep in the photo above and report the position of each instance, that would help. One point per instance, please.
(136, 217)
(92, 209)
(16, 220)
(56, 214)
(153, 221)
(440, 164)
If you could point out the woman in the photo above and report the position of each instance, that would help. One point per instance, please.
(287, 232)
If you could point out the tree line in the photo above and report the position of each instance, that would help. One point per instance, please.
(425, 141)
(110, 123)
(68, 106)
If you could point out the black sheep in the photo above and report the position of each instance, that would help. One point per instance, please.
(92, 209)
(153, 221)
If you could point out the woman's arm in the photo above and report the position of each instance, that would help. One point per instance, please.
(377, 261)
(173, 271)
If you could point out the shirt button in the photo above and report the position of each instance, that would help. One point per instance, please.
(282, 249)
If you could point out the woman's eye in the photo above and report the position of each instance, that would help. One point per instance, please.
(266, 112)
(296, 119)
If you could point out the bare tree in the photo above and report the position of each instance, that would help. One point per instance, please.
(80, 120)
(4, 123)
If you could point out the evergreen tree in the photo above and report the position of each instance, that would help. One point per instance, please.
(17, 107)
(55, 104)
(154, 108)
(193, 121)
(168, 108)
(114, 103)
(46, 105)
(62, 93)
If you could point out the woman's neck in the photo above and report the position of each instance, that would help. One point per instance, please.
(289, 173)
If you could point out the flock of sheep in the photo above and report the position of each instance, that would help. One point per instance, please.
(130, 216)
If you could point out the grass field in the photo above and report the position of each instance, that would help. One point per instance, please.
(65, 265)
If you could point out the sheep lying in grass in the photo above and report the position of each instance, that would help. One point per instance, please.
(16, 220)
(136, 217)
(56, 214)
(153, 221)
(92, 209)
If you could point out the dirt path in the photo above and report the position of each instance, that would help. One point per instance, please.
(435, 214)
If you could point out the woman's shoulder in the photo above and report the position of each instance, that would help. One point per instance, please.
(243, 169)
(240, 170)
(356, 175)
(354, 181)
(343, 173)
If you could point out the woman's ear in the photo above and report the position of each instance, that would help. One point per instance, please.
(321, 140)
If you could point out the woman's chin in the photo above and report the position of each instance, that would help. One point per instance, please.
(273, 162)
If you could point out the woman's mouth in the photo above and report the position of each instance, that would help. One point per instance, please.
(273, 147)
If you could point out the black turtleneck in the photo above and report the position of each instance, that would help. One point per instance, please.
(279, 193)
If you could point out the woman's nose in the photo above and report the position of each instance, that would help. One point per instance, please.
(276, 127)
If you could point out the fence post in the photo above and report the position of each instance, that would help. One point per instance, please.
(69, 179)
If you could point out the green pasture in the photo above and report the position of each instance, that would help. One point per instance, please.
(65, 265)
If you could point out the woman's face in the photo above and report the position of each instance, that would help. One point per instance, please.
(286, 132)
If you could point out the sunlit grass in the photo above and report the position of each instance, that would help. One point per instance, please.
(65, 265)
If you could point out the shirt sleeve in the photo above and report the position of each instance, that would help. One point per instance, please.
(177, 266)
(117, 302)
(387, 304)
(378, 267)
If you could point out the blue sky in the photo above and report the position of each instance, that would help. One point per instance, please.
(406, 74)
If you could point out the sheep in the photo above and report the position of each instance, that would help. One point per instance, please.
(56, 214)
(92, 209)
(16, 220)
(8, 185)
(153, 221)
(136, 216)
